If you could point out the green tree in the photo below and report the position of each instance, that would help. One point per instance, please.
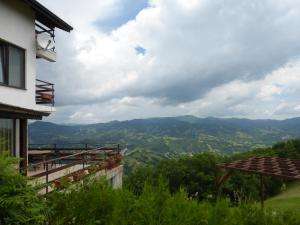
(19, 203)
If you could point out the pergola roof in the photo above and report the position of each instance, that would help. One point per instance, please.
(267, 166)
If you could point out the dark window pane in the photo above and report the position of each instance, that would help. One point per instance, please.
(1, 64)
(16, 67)
(6, 135)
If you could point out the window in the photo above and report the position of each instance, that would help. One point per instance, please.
(12, 65)
(2, 63)
(7, 135)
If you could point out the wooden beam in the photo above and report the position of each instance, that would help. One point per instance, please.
(221, 179)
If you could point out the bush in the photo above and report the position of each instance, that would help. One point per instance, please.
(19, 203)
(196, 174)
(94, 202)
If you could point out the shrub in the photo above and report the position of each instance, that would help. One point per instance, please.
(19, 203)
(95, 202)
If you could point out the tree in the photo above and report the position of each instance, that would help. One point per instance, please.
(19, 203)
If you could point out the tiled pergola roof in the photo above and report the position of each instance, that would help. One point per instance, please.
(264, 166)
(267, 166)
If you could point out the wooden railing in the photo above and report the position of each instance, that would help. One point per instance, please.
(44, 93)
(83, 163)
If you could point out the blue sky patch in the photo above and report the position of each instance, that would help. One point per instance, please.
(140, 50)
(128, 11)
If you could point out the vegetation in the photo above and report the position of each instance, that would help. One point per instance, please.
(196, 174)
(289, 199)
(178, 191)
(96, 203)
(19, 203)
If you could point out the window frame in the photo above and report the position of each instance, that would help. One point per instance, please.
(12, 152)
(6, 46)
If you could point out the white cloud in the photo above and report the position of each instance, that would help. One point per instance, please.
(207, 58)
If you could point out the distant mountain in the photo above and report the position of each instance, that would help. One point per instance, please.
(171, 134)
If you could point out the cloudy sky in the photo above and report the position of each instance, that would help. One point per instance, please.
(147, 58)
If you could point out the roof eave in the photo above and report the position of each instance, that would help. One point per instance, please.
(46, 17)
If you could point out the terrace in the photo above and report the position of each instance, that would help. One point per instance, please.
(50, 166)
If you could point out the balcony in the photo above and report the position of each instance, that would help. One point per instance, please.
(45, 43)
(44, 93)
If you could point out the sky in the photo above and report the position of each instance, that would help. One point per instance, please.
(130, 59)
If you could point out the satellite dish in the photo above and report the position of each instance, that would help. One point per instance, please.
(45, 41)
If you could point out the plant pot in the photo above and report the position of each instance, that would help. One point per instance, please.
(92, 169)
(57, 184)
(100, 167)
(77, 176)
(111, 163)
(64, 182)
(119, 158)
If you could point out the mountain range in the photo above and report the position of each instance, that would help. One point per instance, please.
(149, 140)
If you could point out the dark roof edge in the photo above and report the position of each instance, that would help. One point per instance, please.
(46, 17)
(8, 111)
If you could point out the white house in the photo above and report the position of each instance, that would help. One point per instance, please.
(26, 34)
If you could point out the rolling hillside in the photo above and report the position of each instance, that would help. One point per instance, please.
(152, 139)
(176, 134)
(288, 199)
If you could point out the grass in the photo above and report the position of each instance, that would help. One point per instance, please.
(287, 200)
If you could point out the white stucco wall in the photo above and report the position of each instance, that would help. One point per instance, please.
(17, 22)
(116, 176)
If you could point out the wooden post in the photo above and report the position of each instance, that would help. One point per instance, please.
(221, 179)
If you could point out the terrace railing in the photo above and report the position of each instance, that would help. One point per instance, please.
(44, 93)
(70, 166)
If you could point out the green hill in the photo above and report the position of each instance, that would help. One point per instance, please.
(289, 199)
(173, 134)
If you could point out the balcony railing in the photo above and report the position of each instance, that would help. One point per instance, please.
(45, 43)
(44, 93)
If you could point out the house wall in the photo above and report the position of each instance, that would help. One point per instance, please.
(17, 22)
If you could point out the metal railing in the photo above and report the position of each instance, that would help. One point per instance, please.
(44, 93)
(73, 146)
(91, 160)
(47, 34)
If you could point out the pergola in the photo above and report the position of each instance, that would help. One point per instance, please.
(288, 169)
